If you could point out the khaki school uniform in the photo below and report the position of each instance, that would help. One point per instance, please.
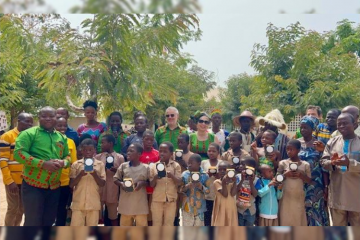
(133, 206)
(86, 197)
(229, 154)
(344, 190)
(110, 192)
(163, 206)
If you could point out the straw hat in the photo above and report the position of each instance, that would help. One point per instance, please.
(244, 114)
(274, 118)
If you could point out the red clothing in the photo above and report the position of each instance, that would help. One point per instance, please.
(147, 158)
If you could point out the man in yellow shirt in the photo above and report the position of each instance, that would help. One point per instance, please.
(12, 170)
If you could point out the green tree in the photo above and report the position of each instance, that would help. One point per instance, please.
(300, 67)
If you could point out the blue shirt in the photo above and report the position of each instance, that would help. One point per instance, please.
(268, 206)
(72, 134)
(195, 198)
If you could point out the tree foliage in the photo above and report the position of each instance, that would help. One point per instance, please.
(298, 67)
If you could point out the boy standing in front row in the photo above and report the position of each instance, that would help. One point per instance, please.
(86, 197)
(133, 205)
(110, 192)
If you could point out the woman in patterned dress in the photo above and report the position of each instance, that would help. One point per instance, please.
(311, 152)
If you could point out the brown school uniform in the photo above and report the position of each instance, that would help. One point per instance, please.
(225, 210)
(185, 157)
(292, 205)
(133, 205)
(163, 206)
(86, 197)
(229, 154)
(344, 190)
(110, 192)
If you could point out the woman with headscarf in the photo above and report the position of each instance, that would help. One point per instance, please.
(311, 152)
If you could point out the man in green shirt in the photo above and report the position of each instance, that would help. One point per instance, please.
(44, 152)
(171, 130)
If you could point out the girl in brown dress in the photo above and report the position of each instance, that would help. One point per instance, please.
(296, 172)
(225, 211)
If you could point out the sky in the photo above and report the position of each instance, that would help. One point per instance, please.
(231, 30)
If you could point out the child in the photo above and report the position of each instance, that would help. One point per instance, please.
(224, 211)
(133, 206)
(292, 207)
(183, 144)
(163, 206)
(110, 193)
(213, 153)
(61, 126)
(86, 198)
(194, 205)
(235, 141)
(269, 195)
(247, 193)
(260, 154)
(149, 157)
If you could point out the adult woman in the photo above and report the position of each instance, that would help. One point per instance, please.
(114, 127)
(200, 140)
(92, 126)
(311, 152)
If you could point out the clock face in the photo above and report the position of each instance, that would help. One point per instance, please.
(270, 149)
(128, 183)
(231, 174)
(236, 160)
(249, 171)
(280, 178)
(89, 161)
(110, 159)
(160, 167)
(195, 177)
(178, 154)
(293, 166)
(213, 170)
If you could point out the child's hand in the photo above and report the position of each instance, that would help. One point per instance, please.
(273, 182)
(170, 175)
(254, 146)
(288, 174)
(122, 185)
(273, 156)
(139, 185)
(94, 174)
(319, 146)
(82, 173)
(113, 169)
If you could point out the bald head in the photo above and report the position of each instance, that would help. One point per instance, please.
(25, 121)
(62, 112)
(353, 110)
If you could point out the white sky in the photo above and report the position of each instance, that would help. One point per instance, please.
(230, 30)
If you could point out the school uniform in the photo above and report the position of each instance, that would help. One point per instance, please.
(163, 206)
(110, 192)
(133, 206)
(86, 196)
(229, 154)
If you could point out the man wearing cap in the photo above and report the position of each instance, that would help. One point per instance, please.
(171, 130)
(245, 121)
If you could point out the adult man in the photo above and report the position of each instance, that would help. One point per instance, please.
(324, 130)
(342, 159)
(354, 111)
(311, 110)
(171, 130)
(12, 170)
(70, 132)
(246, 122)
(216, 120)
(44, 152)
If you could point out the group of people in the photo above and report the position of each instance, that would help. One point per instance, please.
(101, 173)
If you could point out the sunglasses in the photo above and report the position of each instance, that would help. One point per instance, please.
(170, 115)
(204, 121)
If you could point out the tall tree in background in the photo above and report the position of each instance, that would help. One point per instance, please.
(300, 67)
